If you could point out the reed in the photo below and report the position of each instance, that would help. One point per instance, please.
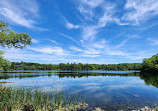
(22, 99)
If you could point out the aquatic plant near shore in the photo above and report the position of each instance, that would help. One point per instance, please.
(36, 100)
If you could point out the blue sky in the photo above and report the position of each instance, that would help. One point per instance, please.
(83, 31)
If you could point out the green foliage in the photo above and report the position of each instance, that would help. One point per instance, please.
(11, 39)
(150, 78)
(21, 99)
(4, 64)
(151, 64)
(73, 66)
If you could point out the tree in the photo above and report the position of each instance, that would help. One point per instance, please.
(151, 64)
(9, 38)
(4, 64)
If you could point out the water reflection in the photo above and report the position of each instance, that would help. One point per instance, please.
(86, 74)
(23, 75)
(150, 78)
(71, 74)
(110, 90)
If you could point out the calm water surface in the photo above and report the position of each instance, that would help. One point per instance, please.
(110, 90)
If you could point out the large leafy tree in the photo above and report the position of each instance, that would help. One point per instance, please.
(150, 64)
(9, 38)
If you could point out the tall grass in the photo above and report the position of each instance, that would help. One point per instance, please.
(15, 99)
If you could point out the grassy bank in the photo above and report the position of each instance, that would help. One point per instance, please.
(34, 100)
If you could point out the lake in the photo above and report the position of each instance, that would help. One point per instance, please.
(109, 90)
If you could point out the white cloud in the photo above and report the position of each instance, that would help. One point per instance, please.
(126, 40)
(148, 26)
(92, 3)
(29, 55)
(117, 36)
(92, 51)
(34, 40)
(87, 13)
(21, 12)
(50, 50)
(69, 37)
(71, 26)
(90, 31)
(114, 52)
(89, 52)
(153, 41)
(86, 51)
(140, 10)
(100, 45)
(86, 7)
(76, 49)
(90, 55)
(53, 41)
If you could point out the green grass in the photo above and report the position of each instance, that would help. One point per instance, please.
(35, 100)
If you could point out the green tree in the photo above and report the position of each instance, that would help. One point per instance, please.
(9, 38)
(150, 64)
(4, 64)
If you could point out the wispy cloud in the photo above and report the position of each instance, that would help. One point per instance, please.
(148, 26)
(129, 37)
(92, 3)
(34, 40)
(76, 49)
(70, 25)
(53, 41)
(90, 31)
(50, 50)
(100, 45)
(69, 37)
(89, 52)
(93, 23)
(140, 10)
(21, 12)
(153, 41)
(29, 55)
(117, 36)
(86, 7)
(86, 51)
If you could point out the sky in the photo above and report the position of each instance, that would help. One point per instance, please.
(83, 31)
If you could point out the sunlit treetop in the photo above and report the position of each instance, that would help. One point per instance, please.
(9, 38)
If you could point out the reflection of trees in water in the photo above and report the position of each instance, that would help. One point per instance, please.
(20, 76)
(79, 74)
(150, 78)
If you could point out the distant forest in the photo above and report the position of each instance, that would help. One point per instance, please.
(148, 65)
(73, 66)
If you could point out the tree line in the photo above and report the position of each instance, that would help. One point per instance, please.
(73, 66)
